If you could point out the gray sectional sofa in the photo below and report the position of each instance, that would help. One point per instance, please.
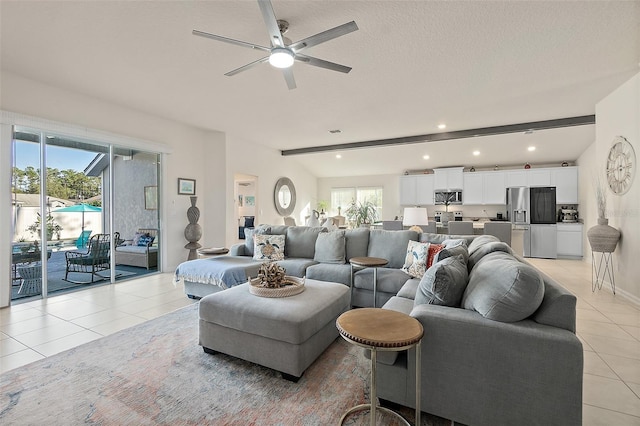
(499, 345)
(323, 256)
(506, 353)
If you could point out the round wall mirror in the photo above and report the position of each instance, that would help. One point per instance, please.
(284, 197)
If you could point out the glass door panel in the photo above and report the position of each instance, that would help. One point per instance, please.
(135, 212)
(26, 256)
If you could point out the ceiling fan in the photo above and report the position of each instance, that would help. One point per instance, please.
(283, 52)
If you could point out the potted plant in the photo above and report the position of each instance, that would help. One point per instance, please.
(361, 213)
(52, 227)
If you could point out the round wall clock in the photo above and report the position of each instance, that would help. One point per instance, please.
(621, 165)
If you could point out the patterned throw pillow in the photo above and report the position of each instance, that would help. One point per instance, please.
(145, 241)
(268, 247)
(415, 262)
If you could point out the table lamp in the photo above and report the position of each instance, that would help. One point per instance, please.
(414, 217)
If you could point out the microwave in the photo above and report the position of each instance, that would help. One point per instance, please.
(448, 197)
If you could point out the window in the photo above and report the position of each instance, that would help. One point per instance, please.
(342, 197)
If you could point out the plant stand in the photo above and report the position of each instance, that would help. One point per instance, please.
(601, 270)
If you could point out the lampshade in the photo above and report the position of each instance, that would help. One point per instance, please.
(415, 216)
(281, 57)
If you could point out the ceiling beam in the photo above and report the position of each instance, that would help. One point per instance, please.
(444, 136)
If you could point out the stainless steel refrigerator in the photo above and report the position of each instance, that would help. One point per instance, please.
(533, 210)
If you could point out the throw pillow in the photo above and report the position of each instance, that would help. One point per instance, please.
(145, 241)
(136, 237)
(444, 283)
(330, 247)
(459, 250)
(415, 262)
(501, 288)
(268, 247)
(487, 248)
(248, 238)
(434, 249)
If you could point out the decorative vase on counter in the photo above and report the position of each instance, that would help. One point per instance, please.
(193, 231)
(602, 237)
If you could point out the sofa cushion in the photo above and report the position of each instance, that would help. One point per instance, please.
(409, 289)
(356, 242)
(480, 241)
(268, 247)
(487, 248)
(453, 247)
(296, 267)
(301, 241)
(427, 237)
(501, 288)
(330, 247)
(389, 280)
(390, 245)
(444, 283)
(277, 229)
(248, 237)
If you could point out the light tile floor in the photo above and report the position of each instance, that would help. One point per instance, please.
(41, 328)
(608, 326)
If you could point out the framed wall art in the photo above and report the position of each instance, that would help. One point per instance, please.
(186, 186)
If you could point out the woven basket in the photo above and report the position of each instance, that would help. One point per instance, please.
(294, 286)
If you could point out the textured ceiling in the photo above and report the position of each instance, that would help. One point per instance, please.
(415, 64)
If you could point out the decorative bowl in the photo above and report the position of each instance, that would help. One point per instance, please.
(294, 285)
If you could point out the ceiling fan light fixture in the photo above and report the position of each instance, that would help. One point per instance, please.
(281, 57)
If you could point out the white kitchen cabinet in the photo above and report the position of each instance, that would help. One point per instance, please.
(494, 188)
(570, 239)
(424, 190)
(516, 178)
(448, 179)
(416, 190)
(484, 188)
(539, 177)
(472, 191)
(565, 179)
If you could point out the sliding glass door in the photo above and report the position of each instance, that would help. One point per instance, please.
(74, 203)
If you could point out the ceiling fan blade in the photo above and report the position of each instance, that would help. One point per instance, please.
(246, 67)
(230, 40)
(272, 24)
(327, 35)
(288, 76)
(322, 63)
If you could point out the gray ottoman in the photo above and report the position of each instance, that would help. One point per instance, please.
(286, 334)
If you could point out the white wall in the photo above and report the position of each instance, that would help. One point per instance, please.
(618, 115)
(244, 157)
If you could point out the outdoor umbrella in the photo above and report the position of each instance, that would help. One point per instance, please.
(79, 208)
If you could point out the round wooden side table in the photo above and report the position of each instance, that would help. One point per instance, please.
(368, 262)
(381, 330)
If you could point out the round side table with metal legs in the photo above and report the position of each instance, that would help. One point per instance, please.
(381, 330)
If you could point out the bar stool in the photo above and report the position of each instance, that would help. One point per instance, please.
(460, 228)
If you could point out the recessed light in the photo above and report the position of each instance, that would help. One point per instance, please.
(442, 126)
(476, 153)
(425, 157)
(335, 131)
(531, 148)
(338, 156)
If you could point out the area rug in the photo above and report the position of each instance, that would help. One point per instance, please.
(156, 373)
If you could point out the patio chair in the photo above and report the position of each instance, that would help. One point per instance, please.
(83, 239)
(97, 258)
(31, 279)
